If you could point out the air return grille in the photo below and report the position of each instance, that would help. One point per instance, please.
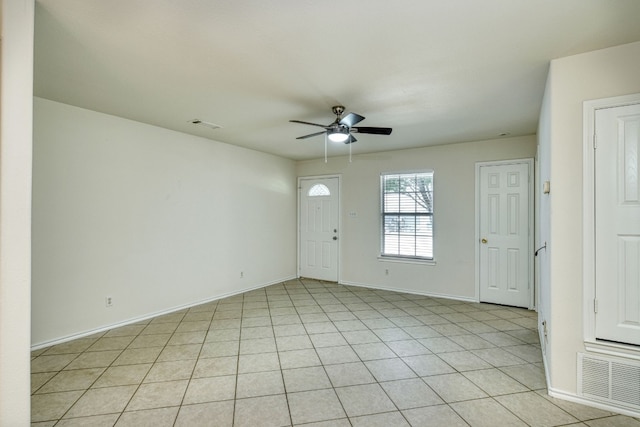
(609, 380)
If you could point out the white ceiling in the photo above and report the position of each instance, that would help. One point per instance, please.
(436, 71)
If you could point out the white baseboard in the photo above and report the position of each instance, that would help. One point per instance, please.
(151, 315)
(543, 349)
(571, 397)
(410, 291)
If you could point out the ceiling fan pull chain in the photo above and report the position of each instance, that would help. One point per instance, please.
(350, 152)
(325, 147)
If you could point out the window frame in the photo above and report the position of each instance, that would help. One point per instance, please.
(398, 257)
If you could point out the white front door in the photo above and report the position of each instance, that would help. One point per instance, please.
(504, 228)
(617, 224)
(318, 238)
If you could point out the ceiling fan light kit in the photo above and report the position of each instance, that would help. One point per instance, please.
(338, 135)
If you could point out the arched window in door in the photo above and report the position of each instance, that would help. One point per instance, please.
(319, 190)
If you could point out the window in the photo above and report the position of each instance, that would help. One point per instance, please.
(407, 215)
(319, 190)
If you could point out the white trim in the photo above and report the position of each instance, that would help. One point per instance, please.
(407, 260)
(545, 363)
(588, 402)
(152, 315)
(409, 291)
(531, 178)
(312, 177)
(589, 109)
(405, 172)
(627, 352)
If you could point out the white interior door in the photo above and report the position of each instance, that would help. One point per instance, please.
(617, 224)
(318, 237)
(505, 219)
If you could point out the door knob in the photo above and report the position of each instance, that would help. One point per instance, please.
(484, 240)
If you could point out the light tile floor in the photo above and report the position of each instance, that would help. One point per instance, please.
(306, 352)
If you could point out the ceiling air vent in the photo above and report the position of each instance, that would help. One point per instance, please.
(205, 124)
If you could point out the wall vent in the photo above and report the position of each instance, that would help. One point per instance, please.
(609, 380)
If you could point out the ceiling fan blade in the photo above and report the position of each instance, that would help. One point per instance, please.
(351, 139)
(351, 119)
(375, 131)
(310, 135)
(309, 123)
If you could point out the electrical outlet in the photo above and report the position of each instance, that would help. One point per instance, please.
(386, 271)
(108, 302)
(241, 274)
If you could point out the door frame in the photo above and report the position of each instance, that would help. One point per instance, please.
(529, 162)
(339, 247)
(589, 109)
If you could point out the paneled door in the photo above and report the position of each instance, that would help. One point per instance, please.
(617, 224)
(504, 228)
(318, 213)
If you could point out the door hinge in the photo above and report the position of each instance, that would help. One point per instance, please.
(595, 141)
(595, 305)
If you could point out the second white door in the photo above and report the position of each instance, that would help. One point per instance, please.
(318, 237)
(505, 233)
(617, 224)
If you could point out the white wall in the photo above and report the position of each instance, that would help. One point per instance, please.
(543, 221)
(153, 218)
(453, 275)
(573, 80)
(16, 88)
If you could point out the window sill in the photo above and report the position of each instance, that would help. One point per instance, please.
(407, 260)
(613, 349)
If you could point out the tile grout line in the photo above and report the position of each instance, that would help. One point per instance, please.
(186, 390)
(324, 369)
(124, 409)
(284, 384)
(377, 382)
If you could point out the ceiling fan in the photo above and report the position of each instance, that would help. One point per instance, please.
(342, 127)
